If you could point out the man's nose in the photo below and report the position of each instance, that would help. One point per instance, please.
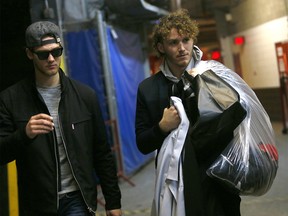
(51, 57)
(181, 46)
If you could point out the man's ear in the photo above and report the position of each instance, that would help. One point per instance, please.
(160, 48)
(29, 54)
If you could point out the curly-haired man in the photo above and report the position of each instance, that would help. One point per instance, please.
(174, 37)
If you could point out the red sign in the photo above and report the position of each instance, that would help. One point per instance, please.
(239, 40)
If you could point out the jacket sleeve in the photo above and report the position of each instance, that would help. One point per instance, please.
(149, 136)
(10, 138)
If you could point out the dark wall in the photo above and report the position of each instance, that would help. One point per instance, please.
(14, 64)
(3, 191)
(270, 99)
(15, 17)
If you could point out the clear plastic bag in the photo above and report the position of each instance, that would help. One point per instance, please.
(249, 164)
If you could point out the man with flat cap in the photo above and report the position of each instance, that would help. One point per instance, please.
(52, 126)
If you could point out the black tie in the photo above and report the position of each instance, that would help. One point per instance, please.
(177, 89)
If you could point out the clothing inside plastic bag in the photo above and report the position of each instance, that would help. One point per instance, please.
(249, 164)
(217, 107)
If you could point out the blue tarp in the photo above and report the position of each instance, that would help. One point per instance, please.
(84, 62)
(127, 60)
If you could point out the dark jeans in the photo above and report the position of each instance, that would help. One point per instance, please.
(72, 204)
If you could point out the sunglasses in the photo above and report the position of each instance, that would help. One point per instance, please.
(43, 55)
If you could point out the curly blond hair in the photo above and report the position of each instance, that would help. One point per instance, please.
(180, 20)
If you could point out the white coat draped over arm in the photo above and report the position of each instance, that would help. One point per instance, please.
(169, 187)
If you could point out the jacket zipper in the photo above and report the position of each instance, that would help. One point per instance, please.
(57, 165)
(64, 144)
(55, 150)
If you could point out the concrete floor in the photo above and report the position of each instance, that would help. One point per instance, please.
(136, 200)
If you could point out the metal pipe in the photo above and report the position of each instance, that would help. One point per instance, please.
(110, 91)
(153, 8)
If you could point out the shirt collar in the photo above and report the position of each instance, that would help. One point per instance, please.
(168, 74)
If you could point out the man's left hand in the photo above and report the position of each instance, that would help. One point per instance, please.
(114, 212)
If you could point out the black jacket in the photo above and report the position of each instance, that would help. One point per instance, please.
(203, 195)
(84, 137)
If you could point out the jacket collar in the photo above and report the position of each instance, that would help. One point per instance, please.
(63, 80)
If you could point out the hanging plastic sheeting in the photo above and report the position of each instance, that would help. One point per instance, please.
(127, 61)
(84, 62)
(80, 10)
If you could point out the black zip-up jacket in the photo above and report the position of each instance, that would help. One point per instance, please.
(84, 136)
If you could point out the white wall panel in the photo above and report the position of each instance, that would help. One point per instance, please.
(258, 56)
